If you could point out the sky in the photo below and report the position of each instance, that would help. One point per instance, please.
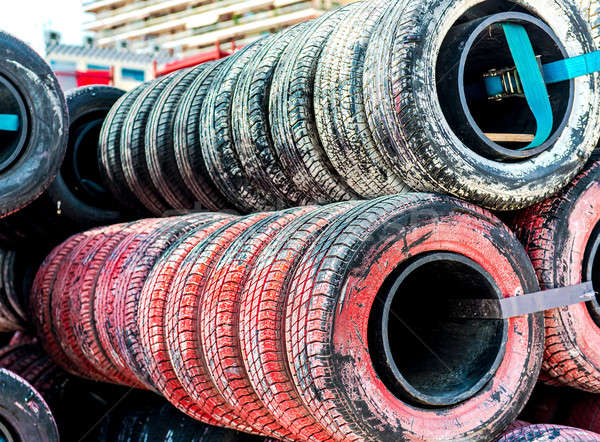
(27, 20)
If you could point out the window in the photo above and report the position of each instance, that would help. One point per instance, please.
(98, 67)
(132, 74)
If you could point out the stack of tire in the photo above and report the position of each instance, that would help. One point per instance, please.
(356, 104)
(295, 324)
(50, 184)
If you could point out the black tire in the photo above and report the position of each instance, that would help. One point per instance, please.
(406, 118)
(339, 108)
(31, 156)
(221, 159)
(186, 140)
(109, 151)
(133, 152)
(76, 199)
(291, 114)
(160, 154)
(250, 118)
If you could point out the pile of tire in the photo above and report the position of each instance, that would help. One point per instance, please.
(295, 324)
(75, 199)
(358, 103)
(562, 237)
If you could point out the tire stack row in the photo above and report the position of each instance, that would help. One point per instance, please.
(326, 111)
(271, 323)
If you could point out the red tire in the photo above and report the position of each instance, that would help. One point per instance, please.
(42, 294)
(559, 235)
(151, 325)
(219, 321)
(183, 318)
(261, 312)
(336, 310)
(544, 432)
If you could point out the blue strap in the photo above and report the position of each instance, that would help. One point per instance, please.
(533, 83)
(9, 122)
(563, 70)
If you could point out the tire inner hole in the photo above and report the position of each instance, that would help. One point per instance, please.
(12, 143)
(491, 127)
(422, 356)
(7, 432)
(80, 169)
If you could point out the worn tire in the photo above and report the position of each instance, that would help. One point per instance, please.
(400, 89)
(109, 150)
(250, 122)
(335, 288)
(339, 109)
(556, 234)
(37, 149)
(218, 150)
(186, 141)
(545, 432)
(160, 153)
(291, 114)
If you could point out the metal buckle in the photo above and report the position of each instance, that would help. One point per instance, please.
(507, 81)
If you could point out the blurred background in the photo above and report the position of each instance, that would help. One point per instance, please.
(125, 42)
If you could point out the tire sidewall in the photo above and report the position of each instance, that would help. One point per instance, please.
(513, 184)
(501, 399)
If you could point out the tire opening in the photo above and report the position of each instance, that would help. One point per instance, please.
(7, 432)
(12, 143)
(591, 271)
(422, 356)
(473, 116)
(80, 169)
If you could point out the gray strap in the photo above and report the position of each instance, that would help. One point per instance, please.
(520, 305)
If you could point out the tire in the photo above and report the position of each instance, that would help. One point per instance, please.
(186, 141)
(332, 313)
(221, 160)
(187, 291)
(554, 233)
(109, 151)
(261, 312)
(339, 109)
(33, 154)
(133, 155)
(426, 152)
(250, 122)
(590, 10)
(23, 408)
(155, 298)
(291, 114)
(219, 321)
(160, 155)
(76, 200)
(544, 432)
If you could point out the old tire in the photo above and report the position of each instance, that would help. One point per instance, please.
(31, 156)
(335, 333)
(400, 88)
(559, 235)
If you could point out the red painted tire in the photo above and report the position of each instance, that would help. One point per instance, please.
(154, 298)
(183, 318)
(42, 294)
(219, 321)
(559, 234)
(333, 317)
(122, 328)
(94, 290)
(261, 312)
(108, 299)
(66, 291)
(544, 433)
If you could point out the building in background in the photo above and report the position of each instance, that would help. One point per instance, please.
(189, 27)
(82, 65)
